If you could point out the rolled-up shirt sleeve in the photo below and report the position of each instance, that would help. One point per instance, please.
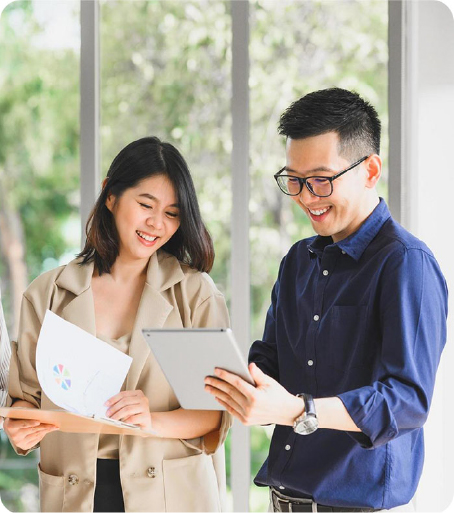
(412, 304)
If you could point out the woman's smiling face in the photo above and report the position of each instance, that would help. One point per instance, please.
(146, 217)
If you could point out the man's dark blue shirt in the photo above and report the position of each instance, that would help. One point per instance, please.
(363, 319)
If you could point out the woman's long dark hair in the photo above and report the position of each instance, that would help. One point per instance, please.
(146, 157)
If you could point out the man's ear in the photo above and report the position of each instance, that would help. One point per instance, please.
(373, 167)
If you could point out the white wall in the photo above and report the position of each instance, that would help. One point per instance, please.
(429, 196)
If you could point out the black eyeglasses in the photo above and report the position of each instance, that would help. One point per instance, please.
(321, 186)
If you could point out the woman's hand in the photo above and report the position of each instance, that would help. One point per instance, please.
(25, 434)
(130, 406)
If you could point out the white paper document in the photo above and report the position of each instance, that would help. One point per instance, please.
(77, 371)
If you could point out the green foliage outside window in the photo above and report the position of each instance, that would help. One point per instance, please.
(166, 71)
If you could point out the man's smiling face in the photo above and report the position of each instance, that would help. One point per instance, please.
(342, 213)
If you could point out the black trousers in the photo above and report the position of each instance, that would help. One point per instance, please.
(108, 492)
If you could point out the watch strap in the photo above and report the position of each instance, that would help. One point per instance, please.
(309, 405)
(307, 422)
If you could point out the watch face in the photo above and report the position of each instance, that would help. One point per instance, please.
(307, 426)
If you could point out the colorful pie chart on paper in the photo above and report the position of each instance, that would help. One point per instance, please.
(62, 376)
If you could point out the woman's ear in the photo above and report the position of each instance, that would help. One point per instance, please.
(110, 201)
(373, 167)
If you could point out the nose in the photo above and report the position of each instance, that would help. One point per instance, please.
(306, 197)
(155, 220)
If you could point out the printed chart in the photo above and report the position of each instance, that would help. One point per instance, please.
(62, 376)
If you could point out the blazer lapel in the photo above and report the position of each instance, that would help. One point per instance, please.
(81, 309)
(81, 312)
(152, 313)
(163, 272)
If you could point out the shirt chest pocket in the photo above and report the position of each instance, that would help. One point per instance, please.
(344, 341)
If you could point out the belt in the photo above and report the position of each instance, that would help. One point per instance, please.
(283, 503)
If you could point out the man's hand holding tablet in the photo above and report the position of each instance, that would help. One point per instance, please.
(264, 403)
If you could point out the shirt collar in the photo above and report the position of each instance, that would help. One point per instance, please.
(355, 244)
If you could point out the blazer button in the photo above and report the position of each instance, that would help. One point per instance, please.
(151, 472)
(73, 479)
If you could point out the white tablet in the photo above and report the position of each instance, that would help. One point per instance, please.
(187, 356)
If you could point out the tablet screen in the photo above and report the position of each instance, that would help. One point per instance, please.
(187, 356)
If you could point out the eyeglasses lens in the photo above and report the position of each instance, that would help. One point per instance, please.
(290, 185)
(319, 186)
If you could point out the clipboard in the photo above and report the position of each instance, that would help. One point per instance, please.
(69, 422)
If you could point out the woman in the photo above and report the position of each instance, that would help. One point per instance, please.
(144, 264)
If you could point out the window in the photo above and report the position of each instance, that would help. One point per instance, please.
(166, 70)
(39, 174)
(170, 77)
(296, 48)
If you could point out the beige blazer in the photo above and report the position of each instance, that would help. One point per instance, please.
(157, 474)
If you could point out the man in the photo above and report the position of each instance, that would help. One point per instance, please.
(5, 356)
(355, 330)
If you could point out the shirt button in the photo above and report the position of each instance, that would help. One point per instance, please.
(310, 363)
(151, 472)
(316, 317)
(281, 487)
(287, 447)
(343, 252)
(325, 272)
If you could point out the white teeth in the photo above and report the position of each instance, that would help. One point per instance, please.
(146, 237)
(319, 212)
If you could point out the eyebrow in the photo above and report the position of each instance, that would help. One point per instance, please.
(153, 198)
(311, 171)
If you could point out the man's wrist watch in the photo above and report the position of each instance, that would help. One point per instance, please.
(307, 423)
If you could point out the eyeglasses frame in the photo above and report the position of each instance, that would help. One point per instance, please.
(303, 181)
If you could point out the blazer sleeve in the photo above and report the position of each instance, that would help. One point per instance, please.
(212, 313)
(23, 380)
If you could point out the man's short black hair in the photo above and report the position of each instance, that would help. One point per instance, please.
(335, 110)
